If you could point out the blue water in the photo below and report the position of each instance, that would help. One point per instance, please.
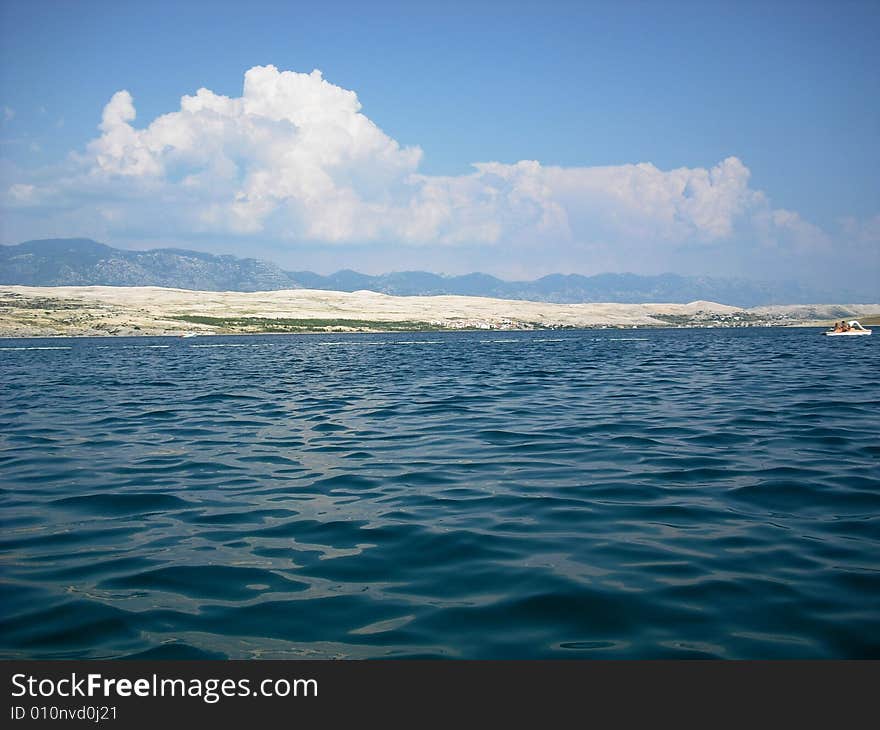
(591, 494)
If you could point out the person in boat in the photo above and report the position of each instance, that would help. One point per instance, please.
(840, 326)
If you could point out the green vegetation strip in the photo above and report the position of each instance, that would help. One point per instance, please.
(265, 324)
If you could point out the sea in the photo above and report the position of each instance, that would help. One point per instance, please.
(591, 494)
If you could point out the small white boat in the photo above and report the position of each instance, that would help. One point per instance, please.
(854, 329)
(188, 335)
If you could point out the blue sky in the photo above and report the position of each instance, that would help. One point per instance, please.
(586, 90)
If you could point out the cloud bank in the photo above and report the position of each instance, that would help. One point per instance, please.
(294, 159)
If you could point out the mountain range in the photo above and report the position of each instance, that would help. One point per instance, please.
(84, 262)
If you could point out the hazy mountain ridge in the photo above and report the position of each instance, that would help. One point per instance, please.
(83, 262)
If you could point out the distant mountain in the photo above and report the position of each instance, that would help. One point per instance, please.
(83, 262)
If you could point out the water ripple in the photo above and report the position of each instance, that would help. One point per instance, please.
(676, 494)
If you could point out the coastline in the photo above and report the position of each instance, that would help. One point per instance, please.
(100, 311)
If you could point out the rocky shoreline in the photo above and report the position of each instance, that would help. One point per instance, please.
(126, 311)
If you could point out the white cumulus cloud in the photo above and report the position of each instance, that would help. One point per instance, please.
(295, 159)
